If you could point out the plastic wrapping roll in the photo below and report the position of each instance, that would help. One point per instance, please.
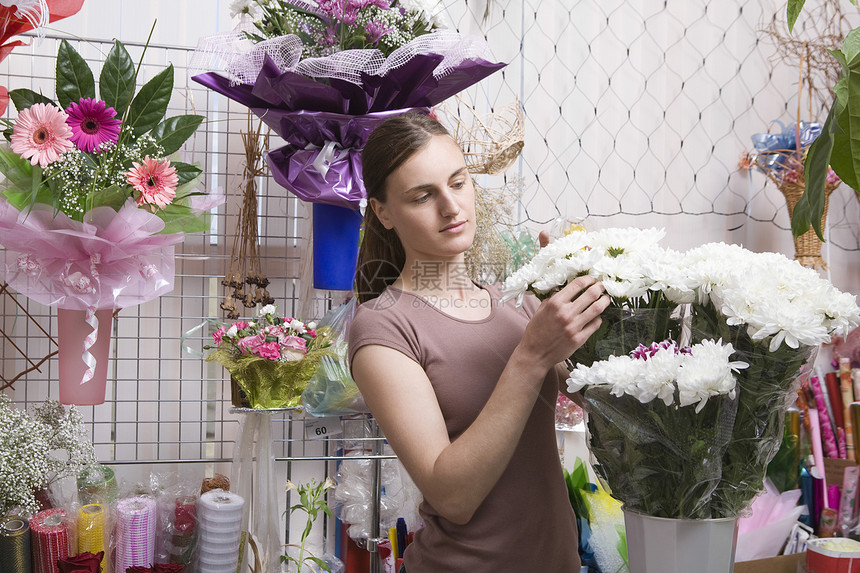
(15, 546)
(135, 532)
(97, 485)
(91, 528)
(184, 532)
(49, 539)
(219, 521)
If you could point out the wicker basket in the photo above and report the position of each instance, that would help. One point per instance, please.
(807, 247)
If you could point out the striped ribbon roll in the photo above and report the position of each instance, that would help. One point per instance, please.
(219, 521)
(49, 538)
(15, 546)
(91, 528)
(135, 532)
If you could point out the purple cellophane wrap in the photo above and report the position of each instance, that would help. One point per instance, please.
(309, 113)
(113, 259)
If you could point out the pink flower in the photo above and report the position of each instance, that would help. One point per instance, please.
(295, 343)
(218, 335)
(249, 344)
(92, 123)
(374, 30)
(40, 134)
(268, 350)
(156, 181)
(240, 325)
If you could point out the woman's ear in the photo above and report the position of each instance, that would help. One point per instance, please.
(381, 213)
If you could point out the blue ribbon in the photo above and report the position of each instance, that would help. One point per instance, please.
(772, 148)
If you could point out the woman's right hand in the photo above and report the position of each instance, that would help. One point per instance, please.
(564, 321)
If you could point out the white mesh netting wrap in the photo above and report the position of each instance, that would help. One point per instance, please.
(242, 60)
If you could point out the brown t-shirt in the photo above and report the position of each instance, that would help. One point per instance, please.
(526, 522)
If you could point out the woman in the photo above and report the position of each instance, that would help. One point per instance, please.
(463, 387)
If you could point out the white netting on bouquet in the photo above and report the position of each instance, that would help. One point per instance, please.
(234, 54)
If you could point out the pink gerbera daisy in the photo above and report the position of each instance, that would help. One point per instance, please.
(40, 134)
(92, 123)
(156, 180)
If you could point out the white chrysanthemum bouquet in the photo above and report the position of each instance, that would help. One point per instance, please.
(688, 433)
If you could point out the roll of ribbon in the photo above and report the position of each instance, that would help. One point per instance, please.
(219, 525)
(97, 485)
(183, 537)
(15, 546)
(49, 538)
(91, 528)
(135, 532)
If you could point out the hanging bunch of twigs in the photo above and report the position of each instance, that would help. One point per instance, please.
(245, 281)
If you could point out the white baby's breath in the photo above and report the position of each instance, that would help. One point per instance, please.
(35, 451)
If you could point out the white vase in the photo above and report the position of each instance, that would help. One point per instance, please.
(660, 545)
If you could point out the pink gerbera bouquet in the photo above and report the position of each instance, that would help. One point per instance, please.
(94, 197)
(271, 358)
(85, 151)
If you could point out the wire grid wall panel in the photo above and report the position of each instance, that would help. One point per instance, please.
(164, 402)
(638, 112)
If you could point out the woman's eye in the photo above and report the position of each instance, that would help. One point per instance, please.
(458, 184)
(422, 198)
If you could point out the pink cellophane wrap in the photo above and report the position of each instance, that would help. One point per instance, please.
(113, 259)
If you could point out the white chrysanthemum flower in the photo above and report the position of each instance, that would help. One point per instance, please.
(707, 372)
(232, 331)
(245, 8)
(658, 376)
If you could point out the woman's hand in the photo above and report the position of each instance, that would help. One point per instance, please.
(564, 321)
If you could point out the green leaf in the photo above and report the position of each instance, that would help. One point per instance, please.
(793, 11)
(182, 219)
(840, 57)
(186, 172)
(174, 131)
(810, 207)
(74, 77)
(150, 103)
(114, 196)
(24, 98)
(320, 563)
(851, 48)
(116, 82)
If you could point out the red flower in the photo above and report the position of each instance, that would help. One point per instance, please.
(138, 569)
(169, 568)
(86, 561)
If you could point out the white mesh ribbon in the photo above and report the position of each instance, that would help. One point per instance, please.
(242, 60)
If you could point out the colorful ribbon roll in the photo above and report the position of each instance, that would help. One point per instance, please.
(135, 532)
(49, 538)
(15, 546)
(91, 526)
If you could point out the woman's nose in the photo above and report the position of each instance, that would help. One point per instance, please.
(448, 205)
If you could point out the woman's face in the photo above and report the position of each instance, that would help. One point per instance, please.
(430, 202)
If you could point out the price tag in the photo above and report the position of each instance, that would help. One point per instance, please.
(321, 428)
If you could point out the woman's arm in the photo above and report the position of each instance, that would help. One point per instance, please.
(455, 477)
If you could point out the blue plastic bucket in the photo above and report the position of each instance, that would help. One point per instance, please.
(335, 246)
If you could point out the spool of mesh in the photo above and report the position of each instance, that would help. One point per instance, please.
(15, 546)
(49, 539)
(91, 528)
